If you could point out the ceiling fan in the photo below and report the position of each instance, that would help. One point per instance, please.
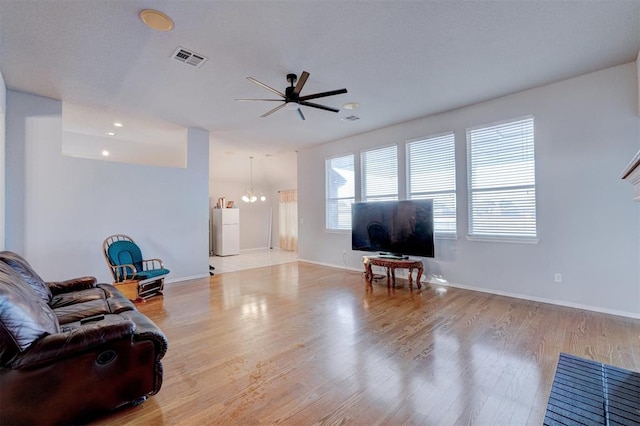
(291, 98)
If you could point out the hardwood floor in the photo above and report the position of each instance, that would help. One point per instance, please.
(303, 344)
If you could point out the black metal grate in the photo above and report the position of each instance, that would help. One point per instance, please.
(586, 392)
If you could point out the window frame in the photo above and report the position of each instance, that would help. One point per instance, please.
(421, 194)
(363, 177)
(329, 199)
(500, 237)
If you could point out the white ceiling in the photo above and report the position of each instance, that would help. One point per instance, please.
(400, 60)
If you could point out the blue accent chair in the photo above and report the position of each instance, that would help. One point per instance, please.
(127, 265)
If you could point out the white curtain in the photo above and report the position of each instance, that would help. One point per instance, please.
(288, 223)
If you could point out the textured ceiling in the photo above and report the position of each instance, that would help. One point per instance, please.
(399, 59)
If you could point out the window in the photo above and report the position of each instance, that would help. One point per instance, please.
(380, 174)
(340, 186)
(431, 173)
(501, 180)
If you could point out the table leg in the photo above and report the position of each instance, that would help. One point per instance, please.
(419, 276)
(393, 276)
(410, 276)
(368, 274)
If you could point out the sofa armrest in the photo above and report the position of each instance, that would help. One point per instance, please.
(147, 330)
(52, 348)
(74, 284)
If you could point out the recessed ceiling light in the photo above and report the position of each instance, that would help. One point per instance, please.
(350, 105)
(110, 133)
(156, 20)
(105, 153)
(118, 124)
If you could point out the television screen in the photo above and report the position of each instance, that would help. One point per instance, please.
(393, 227)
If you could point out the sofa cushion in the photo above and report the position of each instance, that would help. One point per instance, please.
(151, 273)
(73, 297)
(79, 311)
(24, 316)
(125, 253)
(22, 268)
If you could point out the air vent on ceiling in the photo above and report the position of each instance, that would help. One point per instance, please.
(350, 118)
(188, 57)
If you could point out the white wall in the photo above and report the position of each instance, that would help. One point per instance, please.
(254, 217)
(60, 209)
(586, 131)
(638, 80)
(3, 108)
(271, 174)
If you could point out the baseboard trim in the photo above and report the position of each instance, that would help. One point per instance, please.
(347, 268)
(545, 300)
(256, 249)
(566, 304)
(194, 277)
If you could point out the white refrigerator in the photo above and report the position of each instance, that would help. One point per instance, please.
(226, 224)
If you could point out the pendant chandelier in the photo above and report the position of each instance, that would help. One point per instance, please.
(251, 195)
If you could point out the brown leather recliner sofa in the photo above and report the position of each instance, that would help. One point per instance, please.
(71, 350)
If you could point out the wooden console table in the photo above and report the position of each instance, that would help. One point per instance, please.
(391, 265)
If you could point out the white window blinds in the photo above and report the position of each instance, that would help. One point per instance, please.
(380, 174)
(501, 179)
(340, 186)
(431, 173)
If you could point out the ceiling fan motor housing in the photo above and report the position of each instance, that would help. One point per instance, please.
(291, 96)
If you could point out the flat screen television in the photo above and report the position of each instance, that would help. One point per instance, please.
(393, 228)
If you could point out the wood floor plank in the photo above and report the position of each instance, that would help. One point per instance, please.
(303, 344)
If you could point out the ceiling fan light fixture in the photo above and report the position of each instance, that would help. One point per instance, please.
(351, 105)
(292, 106)
(156, 20)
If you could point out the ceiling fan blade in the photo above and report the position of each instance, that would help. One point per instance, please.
(314, 105)
(244, 100)
(301, 114)
(271, 89)
(322, 94)
(271, 111)
(301, 81)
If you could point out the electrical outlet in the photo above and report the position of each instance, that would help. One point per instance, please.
(557, 277)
